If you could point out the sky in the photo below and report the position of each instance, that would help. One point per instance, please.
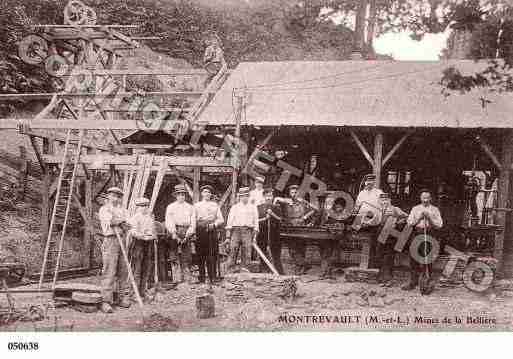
(402, 47)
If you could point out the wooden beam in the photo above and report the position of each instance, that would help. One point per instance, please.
(362, 148)
(37, 151)
(378, 158)
(88, 229)
(503, 251)
(395, 148)
(45, 95)
(53, 123)
(488, 150)
(238, 119)
(98, 161)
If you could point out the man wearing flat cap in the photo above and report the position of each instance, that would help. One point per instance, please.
(142, 234)
(208, 219)
(181, 224)
(385, 253)
(367, 202)
(241, 229)
(297, 213)
(256, 195)
(113, 219)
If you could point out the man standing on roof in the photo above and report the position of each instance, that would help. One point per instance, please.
(241, 229)
(256, 195)
(208, 219)
(142, 255)
(181, 223)
(213, 58)
(426, 220)
(297, 213)
(113, 219)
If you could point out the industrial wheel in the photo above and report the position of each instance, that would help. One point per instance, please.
(77, 13)
(33, 49)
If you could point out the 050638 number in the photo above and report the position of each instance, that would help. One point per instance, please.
(29, 346)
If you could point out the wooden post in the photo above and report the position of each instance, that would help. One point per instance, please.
(503, 251)
(48, 148)
(196, 179)
(378, 158)
(235, 173)
(88, 228)
(22, 184)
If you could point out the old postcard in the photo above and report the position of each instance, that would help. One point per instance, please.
(256, 165)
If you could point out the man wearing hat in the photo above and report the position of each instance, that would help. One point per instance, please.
(297, 213)
(113, 219)
(425, 220)
(208, 219)
(181, 224)
(270, 217)
(256, 195)
(385, 253)
(142, 234)
(241, 228)
(367, 202)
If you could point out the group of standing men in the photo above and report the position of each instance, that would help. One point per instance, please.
(254, 221)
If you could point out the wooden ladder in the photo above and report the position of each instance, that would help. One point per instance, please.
(61, 208)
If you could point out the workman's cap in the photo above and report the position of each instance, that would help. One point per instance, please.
(244, 191)
(294, 186)
(384, 195)
(260, 179)
(268, 190)
(115, 190)
(422, 190)
(180, 188)
(208, 187)
(369, 177)
(142, 202)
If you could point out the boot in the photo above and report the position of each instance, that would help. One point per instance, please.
(125, 303)
(106, 308)
(412, 284)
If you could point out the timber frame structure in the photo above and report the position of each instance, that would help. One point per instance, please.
(94, 51)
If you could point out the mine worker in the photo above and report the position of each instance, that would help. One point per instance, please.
(256, 195)
(385, 252)
(213, 58)
(142, 234)
(113, 219)
(181, 224)
(241, 229)
(269, 218)
(208, 219)
(335, 218)
(368, 198)
(297, 213)
(426, 220)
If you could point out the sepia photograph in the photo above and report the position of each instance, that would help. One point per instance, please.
(255, 166)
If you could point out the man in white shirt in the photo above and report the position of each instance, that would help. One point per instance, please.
(241, 228)
(367, 202)
(425, 220)
(142, 234)
(256, 195)
(181, 224)
(113, 219)
(208, 219)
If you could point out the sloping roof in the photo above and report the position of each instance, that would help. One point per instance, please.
(357, 93)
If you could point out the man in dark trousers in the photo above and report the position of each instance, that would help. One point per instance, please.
(385, 253)
(269, 218)
(297, 213)
(208, 219)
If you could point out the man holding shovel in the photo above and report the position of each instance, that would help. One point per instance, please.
(142, 235)
(181, 224)
(269, 218)
(113, 219)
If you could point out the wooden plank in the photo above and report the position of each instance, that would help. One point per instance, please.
(88, 229)
(158, 182)
(362, 148)
(100, 160)
(395, 148)
(238, 119)
(488, 150)
(39, 157)
(136, 125)
(45, 95)
(503, 250)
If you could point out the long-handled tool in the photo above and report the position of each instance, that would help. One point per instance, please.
(262, 255)
(130, 273)
(425, 284)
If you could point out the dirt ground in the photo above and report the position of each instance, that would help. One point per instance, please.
(251, 302)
